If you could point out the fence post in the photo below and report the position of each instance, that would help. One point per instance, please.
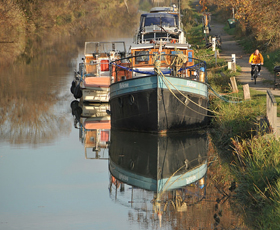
(271, 110)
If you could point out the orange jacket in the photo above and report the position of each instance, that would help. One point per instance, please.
(256, 59)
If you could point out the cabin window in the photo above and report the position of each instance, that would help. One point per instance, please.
(162, 20)
(152, 21)
(141, 56)
(149, 36)
(104, 65)
(174, 53)
(190, 55)
(161, 35)
(167, 21)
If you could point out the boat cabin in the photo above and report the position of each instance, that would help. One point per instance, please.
(98, 56)
(143, 57)
(171, 9)
(156, 26)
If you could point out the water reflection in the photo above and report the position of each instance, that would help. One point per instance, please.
(32, 96)
(158, 175)
(33, 124)
(94, 126)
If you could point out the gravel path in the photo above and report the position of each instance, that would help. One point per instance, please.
(229, 47)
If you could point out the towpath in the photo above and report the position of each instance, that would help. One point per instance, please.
(229, 47)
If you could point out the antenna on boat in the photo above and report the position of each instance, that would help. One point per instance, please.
(179, 9)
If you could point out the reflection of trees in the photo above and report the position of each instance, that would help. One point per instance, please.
(29, 94)
(27, 123)
(28, 24)
(44, 41)
(12, 27)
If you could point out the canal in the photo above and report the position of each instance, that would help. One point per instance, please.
(55, 175)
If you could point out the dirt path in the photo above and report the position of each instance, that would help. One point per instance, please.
(229, 47)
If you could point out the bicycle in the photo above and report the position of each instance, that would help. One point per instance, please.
(255, 72)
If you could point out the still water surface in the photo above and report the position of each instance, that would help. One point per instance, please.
(48, 181)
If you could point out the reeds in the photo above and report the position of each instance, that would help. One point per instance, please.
(240, 136)
(256, 169)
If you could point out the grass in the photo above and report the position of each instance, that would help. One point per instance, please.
(272, 59)
(230, 31)
(239, 133)
(257, 172)
(251, 155)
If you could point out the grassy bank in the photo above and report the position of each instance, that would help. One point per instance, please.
(251, 157)
(240, 137)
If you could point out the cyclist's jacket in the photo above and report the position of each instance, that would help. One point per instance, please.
(256, 59)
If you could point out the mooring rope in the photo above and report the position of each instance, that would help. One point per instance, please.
(221, 97)
(190, 99)
(166, 81)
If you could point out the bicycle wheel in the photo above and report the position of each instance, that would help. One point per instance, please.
(255, 74)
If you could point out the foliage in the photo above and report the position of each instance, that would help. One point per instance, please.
(257, 171)
(272, 59)
(13, 30)
(259, 18)
(254, 163)
(26, 22)
(239, 136)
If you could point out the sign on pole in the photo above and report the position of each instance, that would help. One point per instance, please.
(233, 62)
(213, 44)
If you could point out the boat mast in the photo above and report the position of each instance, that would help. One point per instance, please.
(179, 9)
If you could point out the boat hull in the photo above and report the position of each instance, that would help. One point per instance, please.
(147, 104)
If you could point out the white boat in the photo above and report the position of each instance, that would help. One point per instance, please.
(92, 80)
(94, 126)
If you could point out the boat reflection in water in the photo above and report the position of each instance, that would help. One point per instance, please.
(94, 126)
(158, 174)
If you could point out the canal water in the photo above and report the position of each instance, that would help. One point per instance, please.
(54, 175)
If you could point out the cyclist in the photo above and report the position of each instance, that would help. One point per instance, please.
(256, 58)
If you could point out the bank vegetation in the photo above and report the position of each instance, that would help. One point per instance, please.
(257, 25)
(239, 131)
(24, 23)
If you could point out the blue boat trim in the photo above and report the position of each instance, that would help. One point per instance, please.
(182, 180)
(157, 185)
(152, 82)
(131, 178)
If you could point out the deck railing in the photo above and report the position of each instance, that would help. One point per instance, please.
(169, 65)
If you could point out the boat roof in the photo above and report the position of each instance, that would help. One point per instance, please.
(103, 47)
(166, 46)
(162, 14)
(163, 9)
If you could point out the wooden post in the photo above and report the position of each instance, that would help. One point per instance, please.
(216, 57)
(246, 92)
(234, 85)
